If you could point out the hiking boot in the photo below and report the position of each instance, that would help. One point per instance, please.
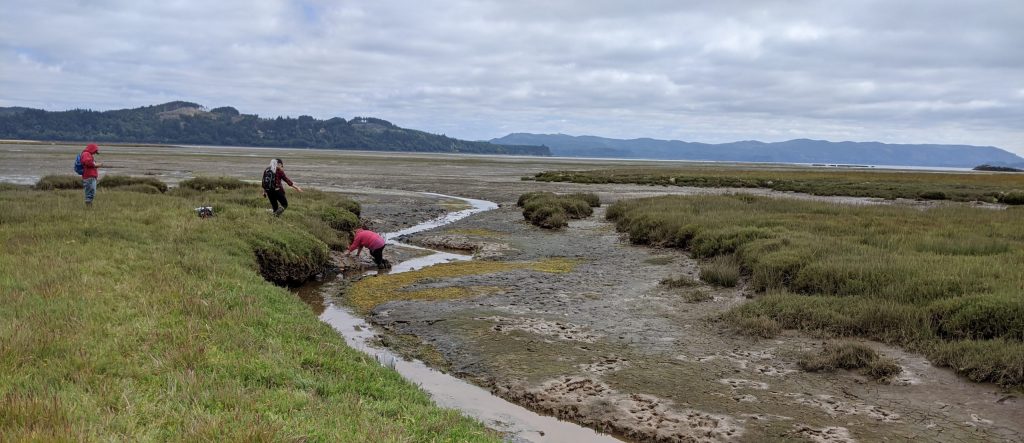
(278, 212)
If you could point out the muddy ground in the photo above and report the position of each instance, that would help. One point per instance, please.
(603, 345)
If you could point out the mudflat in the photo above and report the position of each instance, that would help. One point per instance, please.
(602, 344)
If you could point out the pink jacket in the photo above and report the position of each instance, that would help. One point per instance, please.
(371, 240)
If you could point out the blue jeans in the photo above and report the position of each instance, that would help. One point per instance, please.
(90, 189)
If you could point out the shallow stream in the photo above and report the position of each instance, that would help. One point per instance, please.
(516, 422)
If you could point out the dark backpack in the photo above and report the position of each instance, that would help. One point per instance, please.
(268, 180)
(79, 167)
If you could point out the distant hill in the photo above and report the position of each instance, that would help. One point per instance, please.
(190, 123)
(792, 151)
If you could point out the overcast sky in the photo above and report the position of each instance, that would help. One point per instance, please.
(927, 71)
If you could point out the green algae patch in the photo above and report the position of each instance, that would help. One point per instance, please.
(476, 232)
(455, 205)
(369, 292)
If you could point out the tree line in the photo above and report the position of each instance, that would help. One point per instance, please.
(190, 123)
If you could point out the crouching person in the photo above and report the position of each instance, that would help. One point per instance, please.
(373, 241)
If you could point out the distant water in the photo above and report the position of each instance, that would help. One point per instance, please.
(837, 166)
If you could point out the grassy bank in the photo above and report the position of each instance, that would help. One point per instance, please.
(946, 281)
(138, 321)
(990, 187)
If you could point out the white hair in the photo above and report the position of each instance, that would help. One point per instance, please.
(273, 165)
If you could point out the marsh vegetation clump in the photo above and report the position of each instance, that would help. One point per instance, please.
(852, 356)
(721, 270)
(682, 281)
(756, 326)
(552, 211)
(941, 280)
(1012, 198)
(215, 183)
(62, 181)
(697, 296)
(146, 185)
(880, 184)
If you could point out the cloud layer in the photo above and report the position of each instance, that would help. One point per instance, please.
(921, 71)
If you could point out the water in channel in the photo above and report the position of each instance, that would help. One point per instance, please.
(516, 422)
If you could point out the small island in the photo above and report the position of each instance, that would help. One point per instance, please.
(996, 168)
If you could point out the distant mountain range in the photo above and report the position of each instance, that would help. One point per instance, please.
(792, 151)
(190, 123)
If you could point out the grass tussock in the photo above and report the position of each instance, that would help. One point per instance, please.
(215, 184)
(852, 356)
(722, 270)
(369, 292)
(757, 326)
(697, 296)
(919, 278)
(551, 211)
(682, 281)
(986, 187)
(135, 184)
(136, 320)
(55, 182)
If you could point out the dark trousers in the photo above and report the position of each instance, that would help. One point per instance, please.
(277, 200)
(378, 256)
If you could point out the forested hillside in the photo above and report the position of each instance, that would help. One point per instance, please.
(191, 123)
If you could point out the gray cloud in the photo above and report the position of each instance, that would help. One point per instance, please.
(898, 71)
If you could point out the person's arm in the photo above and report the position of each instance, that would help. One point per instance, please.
(89, 162)
(356, 243)
(289, 181)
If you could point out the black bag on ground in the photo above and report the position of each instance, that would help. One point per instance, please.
(268, 180)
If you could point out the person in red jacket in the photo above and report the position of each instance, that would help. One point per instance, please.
(278, 201)
(90, 171)
(370, 240)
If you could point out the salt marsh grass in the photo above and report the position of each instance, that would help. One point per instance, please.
(135, 320)
(988, 187)
(947, 281)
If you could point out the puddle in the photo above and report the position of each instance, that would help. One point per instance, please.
(517, 422)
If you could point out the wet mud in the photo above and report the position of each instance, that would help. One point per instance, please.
(608, 347)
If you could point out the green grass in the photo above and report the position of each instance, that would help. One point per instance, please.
(925, 279)
(551, 211)
(988, 187)
(138, 321)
